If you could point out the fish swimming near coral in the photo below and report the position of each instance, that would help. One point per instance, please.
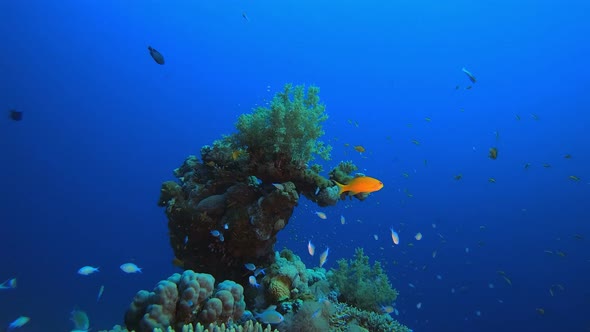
(130, 268)
(157, 56)
(360, 184)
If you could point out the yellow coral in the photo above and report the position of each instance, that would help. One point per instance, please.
(279, 288)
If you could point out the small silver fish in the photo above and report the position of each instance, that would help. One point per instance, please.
(8, 284)
(19, 322)
(100, 291)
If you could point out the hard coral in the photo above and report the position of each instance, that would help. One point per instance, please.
(279, 289)
(185, 299)
(290, 127)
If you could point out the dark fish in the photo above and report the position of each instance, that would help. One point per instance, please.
(469, 75)
(15, 115)
(493, 153)
(245, 17)
(157, 56)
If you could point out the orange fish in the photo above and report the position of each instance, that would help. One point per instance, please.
(360, 184)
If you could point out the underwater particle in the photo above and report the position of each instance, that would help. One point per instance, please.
(434, 254)
(394, 236)
(130, 268)
(157, 56)
(8, 284)
(411, 285)
(15, 115)
(466, 250)
(428, 119)
(310, 248)
(419, 305)
(493, 153)
(415, 142)
(491, 286)
(215, 233)
(324, 257)
(439, 277)
(19, 322)
(535, 116)
(250, 266)
(517, 117)
(418, 236)
(540, 311)
(342, 220)
(80, 320)
(245, 17)
(478, 313)
(321, 215)
(574, 178)
(469, 75)
(376, 237)
(88, 270)
(492, 180)
(458, 177)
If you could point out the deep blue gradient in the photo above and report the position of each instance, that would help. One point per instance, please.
(104, 126)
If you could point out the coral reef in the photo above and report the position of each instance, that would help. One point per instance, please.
(227, 208)
(248, 326)
(224, 213)
(361, 285)
(348, 318)
(190, 302)
(286, 275)
(185, 299)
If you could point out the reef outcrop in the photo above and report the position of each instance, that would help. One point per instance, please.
(227, 207)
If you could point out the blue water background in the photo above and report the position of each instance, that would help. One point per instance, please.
(104, 126)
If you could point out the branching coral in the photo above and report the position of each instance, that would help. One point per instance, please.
(360, 284)
(289, 128)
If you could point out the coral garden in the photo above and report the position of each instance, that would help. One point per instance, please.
(224, 213)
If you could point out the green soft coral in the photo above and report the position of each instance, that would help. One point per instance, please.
(289, 128)
(361, 285)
